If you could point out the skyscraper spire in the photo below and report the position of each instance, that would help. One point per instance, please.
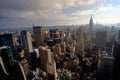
(90, 25)
(91, 15)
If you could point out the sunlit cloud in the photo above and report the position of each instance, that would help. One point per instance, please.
(52, 12)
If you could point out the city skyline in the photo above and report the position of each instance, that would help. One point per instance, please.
(25, 13)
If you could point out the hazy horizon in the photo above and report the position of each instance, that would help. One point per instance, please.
(25, 13)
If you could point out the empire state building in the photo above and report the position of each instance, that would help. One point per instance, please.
(91, 26)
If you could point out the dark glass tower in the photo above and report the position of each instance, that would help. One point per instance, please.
(116, 54)
(7, 57)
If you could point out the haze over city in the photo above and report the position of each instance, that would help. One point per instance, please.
(25, 13)
(59, 40)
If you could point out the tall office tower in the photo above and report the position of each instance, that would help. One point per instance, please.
(17, 72)
(38, 35)
(80, 43)
(63, 47)
(45, 56)
(7, 57)
(8, 40)
(87, 43)
(3, 71)
(90, 31)
(25, 65)
(54, 33)
(101, 38)
(62, 34)
(116, 54)
(35, 59)
(67, 37)
(105, 68)
(57, 49)
(51, 69)
(27, 43)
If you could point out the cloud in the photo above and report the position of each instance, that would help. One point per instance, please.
(105, 7)
(43, 4)
(39, 8)
(53, 10)
(82, 13)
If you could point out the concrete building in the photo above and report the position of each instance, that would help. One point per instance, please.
(116, 54)
(44, 56)
(3, 71)
(51, 68)
(38, 35)
(17, 72)
(54, 33)
(80, 42)
(101, 38)
(27, 43)
(105, 68)
(57, 49)
(63, 47)
(7, 57)
(88, 43)
(8, 40)
(90, 31)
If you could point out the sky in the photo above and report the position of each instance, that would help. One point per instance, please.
(25, 13)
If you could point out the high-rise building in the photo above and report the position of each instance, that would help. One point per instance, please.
(8, 40)
(17, 72)
(44, 56)
(12, 69)
(80, 43)
(3, 71)
(35, 59)
(27, 43)
(91, 26)
(25, 66)
(51, 68)
(116, 54)
(38, 35)
(63, 47)
(54, 33)
(57, 49)
(87, 43)
(7, 57)
(101, 38)
(105, 68)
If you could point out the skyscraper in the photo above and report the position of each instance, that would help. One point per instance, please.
(27, 43)
(14, 70)
(63, 47)
(3, 71)
(116, 54)
(51, 68)
(57, 49)
(54, 33)
(17, 72)
(8, 40)
(38, 35)
(87, 43)
(44, 56)
(80, 43)
(101, 38)
(90, 31)
(7, 57)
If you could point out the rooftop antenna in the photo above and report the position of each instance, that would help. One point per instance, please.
(91, 15)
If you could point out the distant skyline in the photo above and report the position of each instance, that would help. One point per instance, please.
(25, 13)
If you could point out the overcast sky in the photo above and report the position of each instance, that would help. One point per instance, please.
(25, 13)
